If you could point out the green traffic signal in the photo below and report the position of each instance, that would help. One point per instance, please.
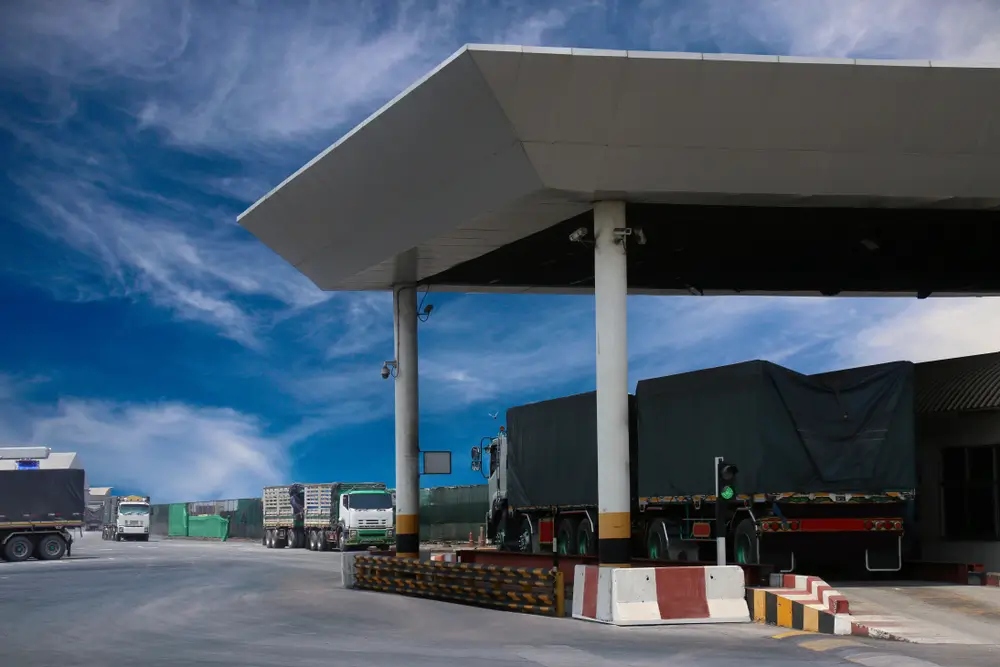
(727, 493)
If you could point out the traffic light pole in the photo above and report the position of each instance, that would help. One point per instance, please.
(720, 516)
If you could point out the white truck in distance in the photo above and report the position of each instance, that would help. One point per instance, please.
(340, 515)
(126, 518)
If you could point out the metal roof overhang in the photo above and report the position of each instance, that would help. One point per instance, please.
(499, 144)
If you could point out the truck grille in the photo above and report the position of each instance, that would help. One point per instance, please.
(133, 523)
(372, 523)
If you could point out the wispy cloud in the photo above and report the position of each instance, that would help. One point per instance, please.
(174, 452)
(928, 29)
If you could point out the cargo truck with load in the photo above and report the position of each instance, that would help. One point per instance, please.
(338, 515)
(826, 467)
(38, 508)
(126, 518)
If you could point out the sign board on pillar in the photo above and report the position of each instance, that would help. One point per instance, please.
(436, 463)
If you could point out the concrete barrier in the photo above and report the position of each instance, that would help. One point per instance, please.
(811, 590)
(799, 602)
(347, 578)
(659, 595)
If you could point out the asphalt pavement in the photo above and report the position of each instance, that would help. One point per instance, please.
(179, 602)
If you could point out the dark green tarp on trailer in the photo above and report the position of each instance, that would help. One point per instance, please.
(849, 431)
(452, 512)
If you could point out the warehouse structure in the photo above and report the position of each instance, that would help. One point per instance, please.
(958, 459)
(515, 169)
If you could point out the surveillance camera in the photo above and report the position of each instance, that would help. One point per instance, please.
(385, 371)
(578, 234)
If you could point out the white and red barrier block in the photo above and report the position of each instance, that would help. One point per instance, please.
(659, 595)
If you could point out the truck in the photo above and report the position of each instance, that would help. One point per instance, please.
(126, 518)
(826, 467)
(335, 515)
(38, 509)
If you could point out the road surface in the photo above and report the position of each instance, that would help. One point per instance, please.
(179, 602)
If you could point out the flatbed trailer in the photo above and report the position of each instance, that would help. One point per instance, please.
(38, 511)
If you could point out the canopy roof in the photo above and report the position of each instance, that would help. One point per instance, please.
(500, 143)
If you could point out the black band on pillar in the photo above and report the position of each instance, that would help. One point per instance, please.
(614, 551)
(408, 543)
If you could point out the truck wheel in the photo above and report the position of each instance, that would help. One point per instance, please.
(268, 539)
(746, 549)
(525, 538)
(585, 543)
(17, 549)
(342, 541)
(566, 537)
(313, 540)
(323, 540)
(51, 547)
(657, 542)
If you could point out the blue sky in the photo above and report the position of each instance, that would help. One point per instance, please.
(143, 328)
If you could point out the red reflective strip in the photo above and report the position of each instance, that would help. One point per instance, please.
(832, 525)
(545, 531)
(701, 529)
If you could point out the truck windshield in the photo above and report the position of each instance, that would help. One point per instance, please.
(133, 509)
(371, 501)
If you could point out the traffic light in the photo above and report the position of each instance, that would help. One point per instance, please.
(725, 491)
(726, 479)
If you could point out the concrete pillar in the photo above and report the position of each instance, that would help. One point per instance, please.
(404, 306)
(610, 292)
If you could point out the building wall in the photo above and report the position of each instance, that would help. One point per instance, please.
(935, 432)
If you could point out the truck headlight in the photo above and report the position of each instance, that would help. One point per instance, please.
(388, 533)
(354, 534)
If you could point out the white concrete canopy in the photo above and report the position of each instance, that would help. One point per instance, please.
(500, 142)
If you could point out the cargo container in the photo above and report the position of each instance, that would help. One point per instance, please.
(126, 518)
(37, 510)
(826, 465)
(340, 515)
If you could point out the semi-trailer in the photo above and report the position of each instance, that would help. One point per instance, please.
(339, 515)
(126, 518)
(826, 465)
(38, 508)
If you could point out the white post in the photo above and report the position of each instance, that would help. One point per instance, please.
(404, 306)
(610, 296)
(720, 525)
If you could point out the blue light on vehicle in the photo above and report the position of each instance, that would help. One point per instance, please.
(30, 464)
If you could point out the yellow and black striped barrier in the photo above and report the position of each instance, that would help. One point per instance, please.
(523, 589)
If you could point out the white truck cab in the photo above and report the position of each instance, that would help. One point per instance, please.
(367, 517)
(132, 518)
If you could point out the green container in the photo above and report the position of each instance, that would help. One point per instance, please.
(177, 522)
(211, 526)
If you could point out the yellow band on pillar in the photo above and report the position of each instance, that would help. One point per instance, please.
(407, 524)
(614, 526)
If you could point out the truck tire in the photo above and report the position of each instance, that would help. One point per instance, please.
(342, 541)
(566, 537)
(658, 541)
(586, 545)
(268, 539)
(746, 548)
(51, 547)
(18, 548)
(323, 540)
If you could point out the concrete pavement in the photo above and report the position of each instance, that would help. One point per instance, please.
(177, 602)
